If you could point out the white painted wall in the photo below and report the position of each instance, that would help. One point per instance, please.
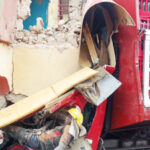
(6, 63)
(38, 68)
(53, 13)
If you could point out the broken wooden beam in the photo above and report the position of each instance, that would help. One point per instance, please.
(103, 54)
(31, 104)
(90, 45)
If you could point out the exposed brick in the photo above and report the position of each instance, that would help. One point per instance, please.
(4, 87)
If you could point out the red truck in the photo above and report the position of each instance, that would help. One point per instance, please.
(125, 116)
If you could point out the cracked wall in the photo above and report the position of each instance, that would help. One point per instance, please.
(41, 56)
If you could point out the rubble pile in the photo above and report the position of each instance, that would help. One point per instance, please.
(60, 34)
(64, 35)
(23, 12)
(67, 33)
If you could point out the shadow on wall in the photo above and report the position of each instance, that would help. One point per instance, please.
(38, 9)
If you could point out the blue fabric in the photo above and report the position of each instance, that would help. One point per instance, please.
(33, 141)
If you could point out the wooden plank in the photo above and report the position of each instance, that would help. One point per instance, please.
(85, 59)
(51, 104)
(37, 101)
(90, 44)
(71, 81)
(109, 23)
(104, 58)
(25, 107)
(92, 13)
(111, 53)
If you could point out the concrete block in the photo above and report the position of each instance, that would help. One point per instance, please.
(38, 68)
(5, 67)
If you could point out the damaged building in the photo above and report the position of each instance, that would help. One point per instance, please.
(57, 58)
(42, 49)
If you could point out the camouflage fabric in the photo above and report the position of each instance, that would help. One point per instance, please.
(47, 140)
(50, 139)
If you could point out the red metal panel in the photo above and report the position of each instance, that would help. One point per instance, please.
(4, 87)
(147, 114)
(128, 105)
(95, 131)
(131, 6)
(97, 125)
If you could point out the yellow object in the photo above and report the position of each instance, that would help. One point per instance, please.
(77, 115)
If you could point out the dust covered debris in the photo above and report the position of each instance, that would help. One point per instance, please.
(64, 32)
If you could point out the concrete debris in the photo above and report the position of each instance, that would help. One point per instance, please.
(19, 24)
(39, 26)
(13, 98)
(75, 10)
(23, 9)
(64, 32)
(23, 12)
(3, 102)
(54, 36)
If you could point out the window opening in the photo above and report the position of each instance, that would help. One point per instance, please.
(38, 9)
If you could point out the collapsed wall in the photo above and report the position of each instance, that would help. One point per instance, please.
(40, 56)
(65, 33)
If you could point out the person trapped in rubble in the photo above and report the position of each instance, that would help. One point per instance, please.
(57, 137)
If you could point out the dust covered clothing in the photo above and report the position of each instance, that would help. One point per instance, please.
(47, 140)
(50, 139)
